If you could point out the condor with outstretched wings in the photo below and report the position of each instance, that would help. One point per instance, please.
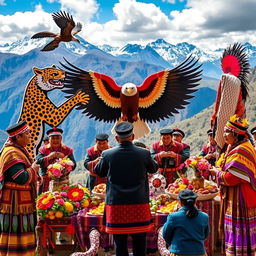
(68, 29)
(160, 95)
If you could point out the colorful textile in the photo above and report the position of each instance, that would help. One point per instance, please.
(127, 219)
(44, 162)
(17, 203)
(83, 223)
(182, 154)
(89, 163)
(238, 204)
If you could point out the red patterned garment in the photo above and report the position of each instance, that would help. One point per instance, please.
(182, 154)
(128, 219)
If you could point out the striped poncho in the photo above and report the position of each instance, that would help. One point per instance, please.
(237, 180)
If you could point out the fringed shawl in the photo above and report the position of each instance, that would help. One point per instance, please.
(241, 162)
(10, 156)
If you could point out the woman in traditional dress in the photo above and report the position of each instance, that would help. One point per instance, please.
(237, 180)
(18, 176)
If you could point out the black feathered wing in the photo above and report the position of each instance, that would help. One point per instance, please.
(104, 104)
(164, 93)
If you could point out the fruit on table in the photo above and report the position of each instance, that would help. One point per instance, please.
(175, 188)
(100, 188)
(169, 207)
(153, 204)
(163, 198)
(98, 210)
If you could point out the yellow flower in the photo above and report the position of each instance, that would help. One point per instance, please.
(194, 162)
(69, 206)
(75, 194)
(45, 201)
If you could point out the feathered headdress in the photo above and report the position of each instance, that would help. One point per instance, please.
(235, 61)
(237, 124)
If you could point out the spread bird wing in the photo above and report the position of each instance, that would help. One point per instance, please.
(64, 21)
(51, 46)
(43, 34)
(163, 93)
(104, 104)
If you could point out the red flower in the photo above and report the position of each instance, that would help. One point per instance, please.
(45, 202)
(75, 194)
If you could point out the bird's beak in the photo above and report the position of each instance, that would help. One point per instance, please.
(129, 90)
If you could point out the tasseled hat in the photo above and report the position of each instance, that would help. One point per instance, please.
(237, 125)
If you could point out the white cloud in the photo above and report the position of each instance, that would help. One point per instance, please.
(82, 10)
(206, 23)
(135, 22)
(2, 2)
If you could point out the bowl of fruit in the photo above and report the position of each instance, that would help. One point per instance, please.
(174, 188)
(205, 191)
(209, 191)
(99, 190)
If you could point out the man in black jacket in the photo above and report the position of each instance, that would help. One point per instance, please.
(127, 195)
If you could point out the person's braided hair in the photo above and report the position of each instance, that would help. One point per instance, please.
(190, 204)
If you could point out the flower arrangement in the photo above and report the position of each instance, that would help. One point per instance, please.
(200, 165)
(60, 168)
(66, 201)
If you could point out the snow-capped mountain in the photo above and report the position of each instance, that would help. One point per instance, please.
(131, 63)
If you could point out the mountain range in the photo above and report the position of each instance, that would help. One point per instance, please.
(131, 63)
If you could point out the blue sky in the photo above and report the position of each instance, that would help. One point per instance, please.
(205, 23)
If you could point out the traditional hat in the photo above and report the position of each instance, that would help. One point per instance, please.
(101, 136)
(253, 130)
(45, 138)
(139, 144)
(177, 131)
(237, 125)
(124, 130)
(210, 132)
(187, 194)
(166, 131)
(54, 131)
(18, 128)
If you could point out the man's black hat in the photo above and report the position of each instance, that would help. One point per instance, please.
(54, 131)
(124, 130)
(45, 138)
(210, 132)
(253, 130)
(139, 144)
(187, 194)
(18, 128)
(101, 136)
(177, 131)
(166, 131)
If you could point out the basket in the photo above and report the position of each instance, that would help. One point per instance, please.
(172, 195)
(209, 196)
(100, 195)
(200, 197)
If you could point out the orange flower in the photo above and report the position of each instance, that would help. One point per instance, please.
(75, 194)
